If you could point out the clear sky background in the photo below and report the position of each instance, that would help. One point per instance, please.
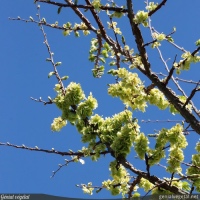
(24, 74)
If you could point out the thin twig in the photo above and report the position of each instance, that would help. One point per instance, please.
(50, 54)
(170, 72)
(156, 121)
(196, 89)
(42, 101)
(134, 183)
(174, 44)
(60, 166)
(179, 79)
(52, 151)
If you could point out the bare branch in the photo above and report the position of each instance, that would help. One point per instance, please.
(138, 38)
(134, 183)
(51, 54)
(179, 79)
(42, 101)
(60, 166)
(170, 72)
(156, 121)
(153, 179)
(52, 151)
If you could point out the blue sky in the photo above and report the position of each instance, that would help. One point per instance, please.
(24, 74)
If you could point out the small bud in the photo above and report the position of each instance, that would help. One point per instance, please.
(58, 63)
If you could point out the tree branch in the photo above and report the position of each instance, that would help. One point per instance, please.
(153, 179)
(123, 10)
(196, 89)
(138, 38)
(52, 151)
(157, 8)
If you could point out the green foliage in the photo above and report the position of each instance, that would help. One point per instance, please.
(120, 135)
(120, 179)
(184, 64)
(152, 6)
(130, 89)
(141, 17)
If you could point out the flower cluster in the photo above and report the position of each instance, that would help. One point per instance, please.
(141, 17)
(145, 184)
(68, 28)
(124, 139)
(73, 98)
(96, 4)
(120, 179)
(130, 89)
(117, 14)
(183, 100)
(152, 6)
(85, 108)
(120, 132)
(88, 189)
(184, 64)
(158, 38)
(58, 124)
(141, 145)
(136, 62)
(177, 141)
(194, 168)
(157, 98)
(113, 25)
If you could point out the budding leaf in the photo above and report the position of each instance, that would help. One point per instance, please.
(31, 18)
(64, 77)
(58, 63)
(51, 74)
(112, 71)
(59, 9)
(50, 99)
(98, 190)
(48, 59)
(102, 60)
(197, 42)
(123, 40)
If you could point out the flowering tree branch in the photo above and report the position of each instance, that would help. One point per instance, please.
(119, 134)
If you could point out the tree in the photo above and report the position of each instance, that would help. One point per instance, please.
(134, 57)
